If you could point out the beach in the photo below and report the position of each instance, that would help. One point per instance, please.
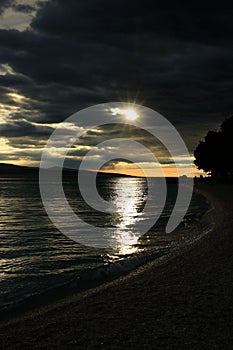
(180, 301)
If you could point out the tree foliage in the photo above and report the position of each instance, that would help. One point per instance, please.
(214, 155)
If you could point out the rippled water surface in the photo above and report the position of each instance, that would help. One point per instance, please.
(35, 256)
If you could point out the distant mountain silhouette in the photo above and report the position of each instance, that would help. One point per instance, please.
(4, 166)
(13, 170)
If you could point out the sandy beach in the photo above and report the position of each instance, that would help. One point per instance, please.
(184, 301)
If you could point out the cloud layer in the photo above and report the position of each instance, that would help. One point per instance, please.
(174, 59)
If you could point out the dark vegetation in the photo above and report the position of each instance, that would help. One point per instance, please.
(215, 154)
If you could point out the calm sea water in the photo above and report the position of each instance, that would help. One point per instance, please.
(35, 257)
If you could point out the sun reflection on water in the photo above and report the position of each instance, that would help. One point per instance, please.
(129, 199)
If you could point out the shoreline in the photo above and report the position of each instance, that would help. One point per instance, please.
(168, 293)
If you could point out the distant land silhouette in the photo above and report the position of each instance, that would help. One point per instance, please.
(18, 171)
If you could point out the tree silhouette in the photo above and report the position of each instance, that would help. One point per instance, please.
(215, 154)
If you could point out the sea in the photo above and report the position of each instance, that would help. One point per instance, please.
(39, 263)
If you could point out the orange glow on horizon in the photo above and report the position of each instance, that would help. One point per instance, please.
(168, 172)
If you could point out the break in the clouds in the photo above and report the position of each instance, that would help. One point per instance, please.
(58, 56)
(17, 14)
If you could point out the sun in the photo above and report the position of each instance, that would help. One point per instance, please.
(130, 114)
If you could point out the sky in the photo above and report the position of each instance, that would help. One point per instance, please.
(58, 57)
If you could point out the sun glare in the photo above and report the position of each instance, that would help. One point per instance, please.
(130, 114)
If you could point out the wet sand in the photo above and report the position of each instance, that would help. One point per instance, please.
(184, 301)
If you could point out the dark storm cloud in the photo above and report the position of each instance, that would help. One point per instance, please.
(194, 20)
(14, 81)
(24, 8)
(27, 141)
(175, 59)
(29, 154)
(21, 128)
